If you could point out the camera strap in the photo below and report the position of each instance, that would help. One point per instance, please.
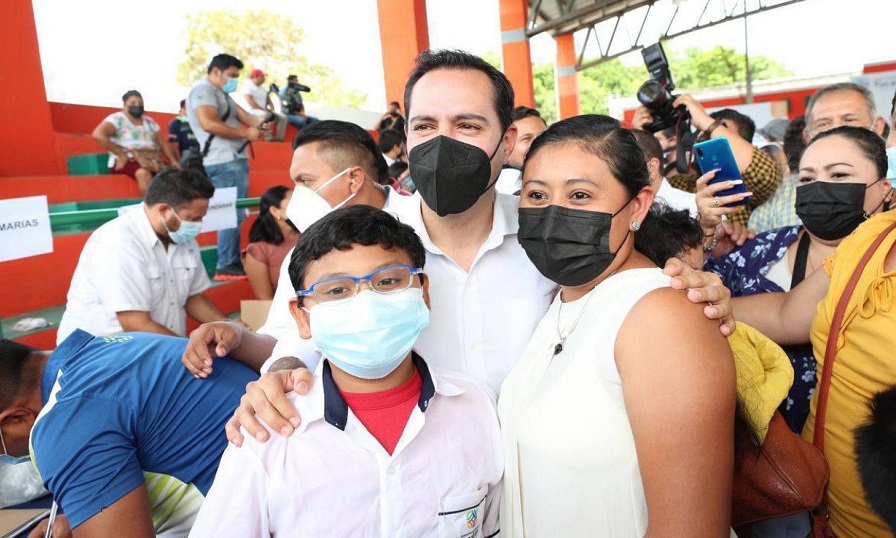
(208, 141)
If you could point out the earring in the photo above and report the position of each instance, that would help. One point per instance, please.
(636, 226)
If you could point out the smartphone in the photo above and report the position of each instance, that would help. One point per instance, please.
(714, 154)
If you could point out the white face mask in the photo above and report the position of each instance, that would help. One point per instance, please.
(19, 483)
(307, 206)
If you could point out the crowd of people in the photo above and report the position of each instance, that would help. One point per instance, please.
(559, 334)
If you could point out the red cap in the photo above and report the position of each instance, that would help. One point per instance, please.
(256, 73)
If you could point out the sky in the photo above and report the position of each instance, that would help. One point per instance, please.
(116, 45)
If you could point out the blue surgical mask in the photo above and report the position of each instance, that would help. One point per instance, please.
(230, 85)
(369, 335)
(891, 165)
(187, 231)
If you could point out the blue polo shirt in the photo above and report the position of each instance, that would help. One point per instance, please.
(121, 410)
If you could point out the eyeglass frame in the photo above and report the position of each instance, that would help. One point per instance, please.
(309, 291)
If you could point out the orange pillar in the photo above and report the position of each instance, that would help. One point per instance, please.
(27, 139)
(567, 79)
(403, 34)
(515, 49)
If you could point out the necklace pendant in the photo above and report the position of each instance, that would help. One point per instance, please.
(558, 348)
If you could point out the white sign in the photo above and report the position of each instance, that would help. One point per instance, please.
(24, 228)
(221, 211)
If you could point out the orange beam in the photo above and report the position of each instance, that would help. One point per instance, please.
(403, 34)
(567, 79)
(27, 141)
(515, 50)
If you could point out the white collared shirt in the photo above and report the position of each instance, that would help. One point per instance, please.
(481, 321)
(510, 181)
(677, 198)
(333, 478)
(280, 323)
(124, 266)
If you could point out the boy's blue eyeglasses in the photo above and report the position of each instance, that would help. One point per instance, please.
(387, 280)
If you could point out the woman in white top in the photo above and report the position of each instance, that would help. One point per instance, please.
(134, 141)
(618, 419)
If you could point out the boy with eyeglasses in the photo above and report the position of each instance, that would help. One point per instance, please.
(387, 446)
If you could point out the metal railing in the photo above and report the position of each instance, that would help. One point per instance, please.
(62, 220)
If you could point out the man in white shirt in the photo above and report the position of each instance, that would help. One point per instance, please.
(529, 124)
(653, 152)
(487, 296)
(142, 271)
(258, 102)
(389, 447)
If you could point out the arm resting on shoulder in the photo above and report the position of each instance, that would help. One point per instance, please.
(679, 391)
(786, 318)
(139, 321)
(128, 516)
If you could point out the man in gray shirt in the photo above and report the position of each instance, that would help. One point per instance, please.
(217, 121)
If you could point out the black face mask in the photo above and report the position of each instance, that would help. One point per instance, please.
(831, 211)
(569, 246)
(449, 174)
(135, 110)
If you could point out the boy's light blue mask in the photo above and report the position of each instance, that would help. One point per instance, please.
(369, 335)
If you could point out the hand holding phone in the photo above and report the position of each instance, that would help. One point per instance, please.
(716, 154)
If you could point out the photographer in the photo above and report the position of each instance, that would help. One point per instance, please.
(257, 100)
(293, 107)
(760, 173)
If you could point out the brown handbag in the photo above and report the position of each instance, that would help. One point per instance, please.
(821, 525)
(150, 159)
(784, 476)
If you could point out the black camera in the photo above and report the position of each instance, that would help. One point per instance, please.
(656, 94)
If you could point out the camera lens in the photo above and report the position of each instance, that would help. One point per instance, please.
(654, 96)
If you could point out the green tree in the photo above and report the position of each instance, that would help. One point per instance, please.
(720, 66)
(259, 38)
(598, 83)
(545, 91)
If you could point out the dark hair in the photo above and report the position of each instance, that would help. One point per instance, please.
(601, 136)
(348, 226)
(521, 112)
(795, 142)
(130, 93)
(396, 103)
(875, 457)
(389, 138)
(649, 145)
(744, 124)
(223, 61)
(869, 143)
(893, 113)
(667, 232)
(397, 168)
(345, 144)
(178, 187)
(265, 227)
(431, 60)
(183, 103)
(15, 375)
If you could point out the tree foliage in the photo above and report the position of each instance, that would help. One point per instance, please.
(720, 66)
(261, 39)
(693, 69)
